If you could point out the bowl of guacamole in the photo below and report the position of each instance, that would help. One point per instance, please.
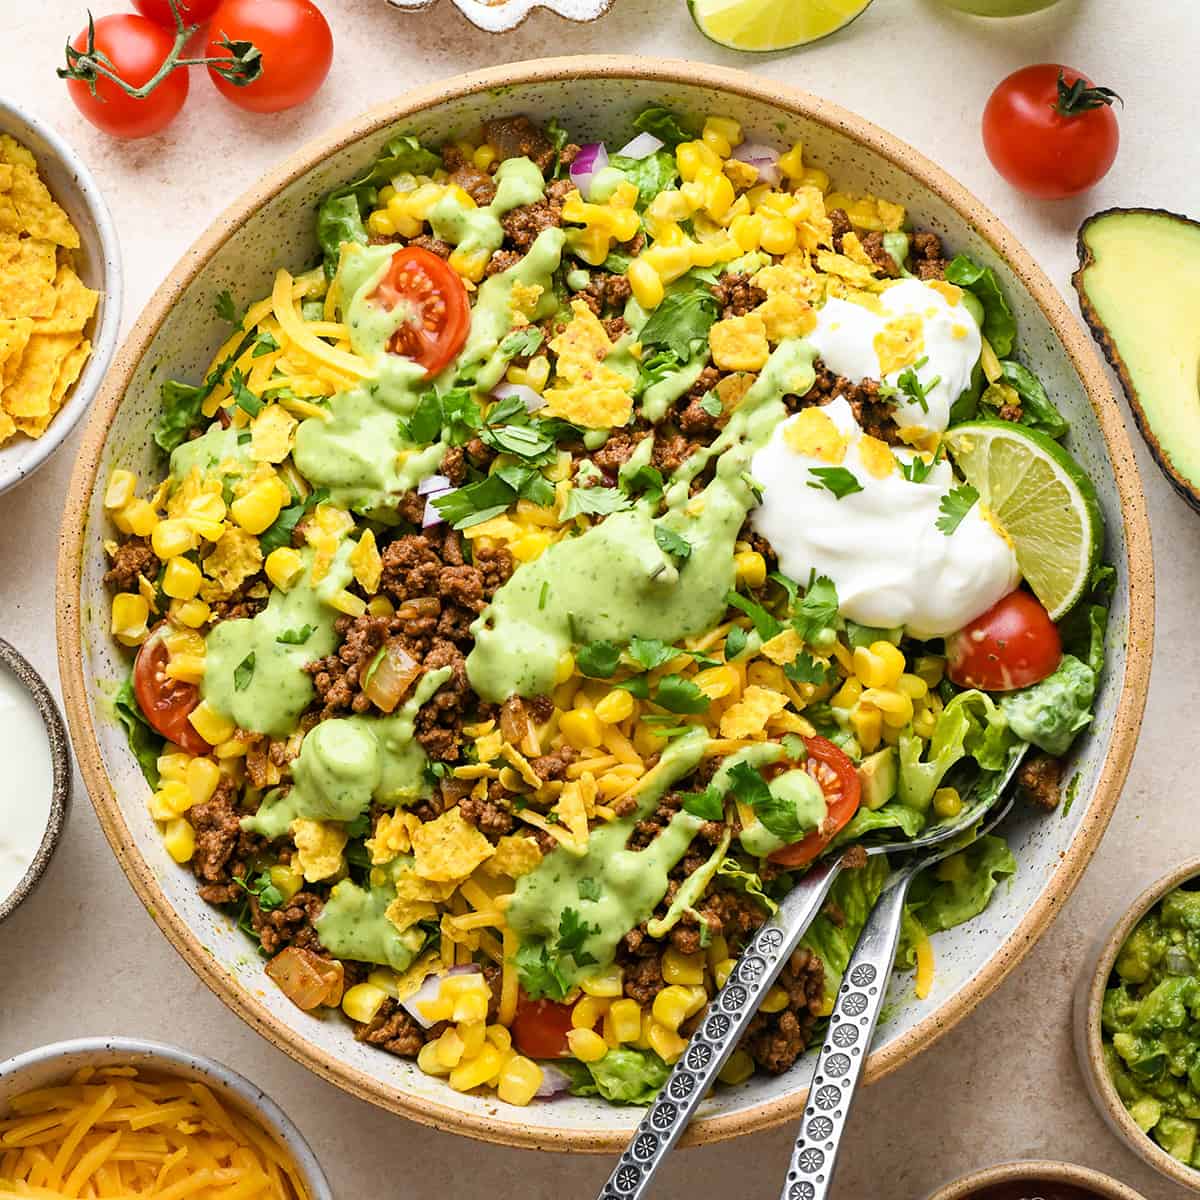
(1138, 1026)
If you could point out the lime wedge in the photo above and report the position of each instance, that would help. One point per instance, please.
(1040, 498)
(772, 24)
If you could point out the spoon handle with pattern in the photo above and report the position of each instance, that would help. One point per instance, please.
(844, 1053)
(718, 1034)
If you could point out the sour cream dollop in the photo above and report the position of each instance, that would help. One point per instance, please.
(881, 546)
(860, 344)
(29, 781)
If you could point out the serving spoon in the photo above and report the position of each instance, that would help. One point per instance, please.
(731, 1010)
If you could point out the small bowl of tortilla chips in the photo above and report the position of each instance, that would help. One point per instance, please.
(60, 291)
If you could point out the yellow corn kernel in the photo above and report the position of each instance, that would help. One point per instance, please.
(283, 567)
(751, 568)
(519, 1081)
(867, 723)
(725, 127)
(924, 722)
(181, 579)
(589, 1012)
(565, 667)
(947, 802)
(716, 141)
(814, 177)
(792, 163)
(210, 724)
(718, 950)
(586, 1045)
(746, 230)
(484, 157)
(776, 1000)
(683, 968)
(171, 800)
(624, 1021)
(203, 775)
(380, 606)
(120, 489)
(672, 1005)
(666, 1043)
(138, 517)
(174, 765)
(380, 223)
(258, 508)
(476, 1071)
(894, 706)
(234, 748)
(581, 728)
(363, 1001)
(869, 668)
(738, 1069)
(348, 603)
(718, 197)
(717, 682)
(474, 1037)
(607, 984)
(645, 283)
(913, 686)
(778, 235)
(692, 157)
(615, 707)
(450, 1048)
(286, 880)
(646, 742)
(180, 840)
(428, 1059)
(722, 970)
(192, 613)
(500, 1037)
(848, 695)
(172, 538)
(893, 661)
(930, 668)
(130, 613)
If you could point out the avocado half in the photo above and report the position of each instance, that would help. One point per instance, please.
(1139, 288)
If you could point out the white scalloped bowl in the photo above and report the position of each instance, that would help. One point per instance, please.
(500, 16)
(272, 225)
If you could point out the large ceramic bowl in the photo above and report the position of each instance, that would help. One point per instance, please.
(272, 225)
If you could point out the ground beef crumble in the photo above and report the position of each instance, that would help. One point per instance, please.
(131, 559)
(871, 410)
(925, 256)
(776, 1040)
(737, 295)
(1041, 780)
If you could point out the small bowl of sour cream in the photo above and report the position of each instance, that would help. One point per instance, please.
(36, 791)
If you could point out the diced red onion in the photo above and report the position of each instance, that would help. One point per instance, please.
(554, 1082)
(429, 991)
(434, 483)
(591, 159)
(642, 146)
(764, 159)
(526, 394)
(431, 516)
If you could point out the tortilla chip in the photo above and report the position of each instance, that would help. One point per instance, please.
(30, 393)
(69, 371)
(74, 304)
(448, 848)
(27, 270)
(515, 856)
(32, 427)
(14, 154)
(41, 216)
(14, 337)
(7, 427)
(403, 914)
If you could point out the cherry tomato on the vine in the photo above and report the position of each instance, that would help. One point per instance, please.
(1050, 131)
(839, 780)
(135, 48)
(296, 45)
(1012, 645)
(193, 12)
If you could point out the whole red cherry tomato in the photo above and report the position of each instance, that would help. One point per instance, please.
(134, 48)
(434, 297)
(1049, 131)
(193, 12)
(839, 780)
(166, 702)
(296, 45)
(1013, 645)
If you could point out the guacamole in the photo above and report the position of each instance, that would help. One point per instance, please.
(1151, 1024)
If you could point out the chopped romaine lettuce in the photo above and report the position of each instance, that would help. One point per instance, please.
(145, 744)
(622, 1076)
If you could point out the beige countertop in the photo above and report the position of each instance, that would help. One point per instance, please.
(81, 957)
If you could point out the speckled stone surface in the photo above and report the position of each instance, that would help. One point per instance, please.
(1004, 1083)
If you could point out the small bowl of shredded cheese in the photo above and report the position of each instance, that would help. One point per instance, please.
(133, 1119)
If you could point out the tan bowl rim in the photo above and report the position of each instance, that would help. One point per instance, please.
(1037, 1169)
(1104, 1090)
(667, 72)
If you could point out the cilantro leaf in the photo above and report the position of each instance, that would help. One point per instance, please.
(637, 686)
(806, 669)
(264, 343)
(794, 747)
(819, 608)
(955, 505)
(521, 342)
(710, 402)
(589, 889)
(670, 542)
(708, 805)
(226, 309)
(540, 974)
(837, 480)
(246, 400)
(474, 503)
(648, 480)
(917, 471)
(679, 695)
(598, 660)
(425, 423)
(296, 637)
(685, 316)
(268, 895)
(243, 673)
(573, 931)
(279, 533)
(766, 625)
(521, 441)
(776, 813)
(650, 652)
(597, 501)
(913, 388)
(735, 642)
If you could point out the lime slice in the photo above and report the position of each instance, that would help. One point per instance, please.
(772, 24)
(1040, 498)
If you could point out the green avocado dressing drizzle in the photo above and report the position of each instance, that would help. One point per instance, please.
(354, 925)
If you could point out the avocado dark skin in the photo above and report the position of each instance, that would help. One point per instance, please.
(1122, 325)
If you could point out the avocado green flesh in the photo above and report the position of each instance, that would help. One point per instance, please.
(1139, 288)
(879, 775)
(1151, 1024)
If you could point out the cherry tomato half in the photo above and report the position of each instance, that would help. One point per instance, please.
(1011, 646)
(135, 48)
(193, 12)
(296, 45)
(838, 778)
(439, 313)
(1048, 136)
(540, 1027)
(165, 702)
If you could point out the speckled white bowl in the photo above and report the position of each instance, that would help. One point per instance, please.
(1040, 1171)
(58, 1061)
(99, 266)
(272, 225)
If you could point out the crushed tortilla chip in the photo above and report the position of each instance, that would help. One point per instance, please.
(515, 856)
(748, 716)
(739, 343)
(366, 563)
(812, 432)
(876, 456)
(271, 434)
(587, 392)
(27, 270)
(7, 427)
(785, 316)
(235, 557)
(572, 813)
(14, 337)
(31, 392)
(783, 647)
(449, 849)
(408, 983)
(899, 343)
(319, 846)
(392, 837)
(74, 304)
(41, 216)
(14, 154)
